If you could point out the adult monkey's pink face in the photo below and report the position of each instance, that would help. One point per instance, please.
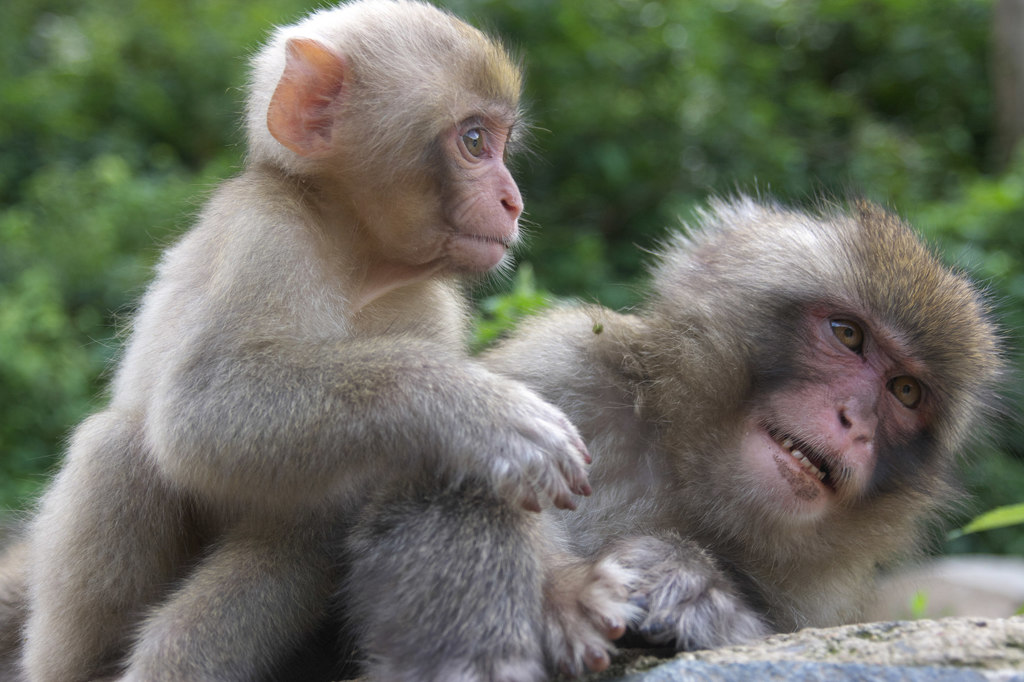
(817, 440)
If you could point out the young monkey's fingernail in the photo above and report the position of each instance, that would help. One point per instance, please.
(596, 660)
(531, 503)
(614, 629)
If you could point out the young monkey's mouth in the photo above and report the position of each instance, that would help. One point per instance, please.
(479, 253)
(810, 460)
(503, 241)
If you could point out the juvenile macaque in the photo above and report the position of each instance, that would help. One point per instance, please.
(301, 347)
(779, 419)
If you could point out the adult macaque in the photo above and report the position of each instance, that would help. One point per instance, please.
(13, 601)
(779, 419)
(301, 347)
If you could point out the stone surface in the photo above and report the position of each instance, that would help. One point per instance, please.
(947, 650)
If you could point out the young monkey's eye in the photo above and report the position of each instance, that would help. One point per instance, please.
(849, 334)
(474, 141)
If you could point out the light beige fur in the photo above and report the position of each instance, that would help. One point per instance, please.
(300, 349)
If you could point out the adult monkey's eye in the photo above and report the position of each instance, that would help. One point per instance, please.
(849, 334)
(907, 390)
(474, 141)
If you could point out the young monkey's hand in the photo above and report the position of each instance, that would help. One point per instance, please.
(537, 450)
(586, 608)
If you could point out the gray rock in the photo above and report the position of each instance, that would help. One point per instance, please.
(948, 650)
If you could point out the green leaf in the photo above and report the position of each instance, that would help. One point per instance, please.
(919, 605)
(1000, 517)
(499, 313)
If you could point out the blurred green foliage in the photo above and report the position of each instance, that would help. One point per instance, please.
(117, 117)
(496, 314)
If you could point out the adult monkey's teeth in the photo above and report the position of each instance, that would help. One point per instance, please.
(808, 466)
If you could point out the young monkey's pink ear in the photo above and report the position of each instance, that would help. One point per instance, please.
(300, 115)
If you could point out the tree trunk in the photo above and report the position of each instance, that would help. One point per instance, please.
(1008, 78)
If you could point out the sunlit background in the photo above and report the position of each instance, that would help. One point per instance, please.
(118, 116)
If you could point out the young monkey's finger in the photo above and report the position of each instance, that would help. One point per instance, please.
(529, 501)
(613, 629)
(596, 659)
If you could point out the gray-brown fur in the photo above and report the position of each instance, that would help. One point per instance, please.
(461, 586)
(472, 547)
(13, 603)
(659, 397)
